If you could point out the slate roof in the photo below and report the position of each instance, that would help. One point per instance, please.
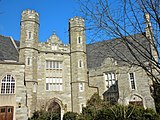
(96, 52)
(7, 49)
(115, 48)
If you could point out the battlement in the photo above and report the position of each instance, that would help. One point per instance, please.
(30, 15)
(76, 21)
(29, 12)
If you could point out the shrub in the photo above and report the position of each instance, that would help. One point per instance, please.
(70, 116)
(44, 115)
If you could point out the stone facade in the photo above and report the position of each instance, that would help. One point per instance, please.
(17, 100)
(54, 74)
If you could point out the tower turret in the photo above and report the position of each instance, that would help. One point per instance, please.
(28, 54)
(78, 63)
(150, 37)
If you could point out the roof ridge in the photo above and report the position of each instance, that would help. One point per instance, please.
(114, 39)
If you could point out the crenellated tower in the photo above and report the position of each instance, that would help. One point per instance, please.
(78, 63)
(28, 54)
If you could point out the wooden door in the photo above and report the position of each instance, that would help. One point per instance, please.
(6, 112)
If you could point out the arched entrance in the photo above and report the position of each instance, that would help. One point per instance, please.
(55, 108)
(136, 100)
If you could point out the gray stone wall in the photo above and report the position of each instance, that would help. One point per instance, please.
(42, 93)
(18, 99)
(125, 92)
(142, 86)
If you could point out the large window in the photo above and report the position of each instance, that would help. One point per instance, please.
(53, 64)
(8, 85)
(54, 84)
(132, 81)
(110, 80)
(54, 80)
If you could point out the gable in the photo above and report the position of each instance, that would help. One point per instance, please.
(116, 49)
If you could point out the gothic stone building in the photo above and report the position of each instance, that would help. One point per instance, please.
(56, 77)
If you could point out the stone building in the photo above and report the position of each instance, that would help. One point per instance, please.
(56, 77)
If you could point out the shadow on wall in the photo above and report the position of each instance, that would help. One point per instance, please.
(111, 95)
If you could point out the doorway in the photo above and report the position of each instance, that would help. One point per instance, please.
(6, 112)
(55, 109)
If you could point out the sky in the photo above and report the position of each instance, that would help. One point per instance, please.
(54, 16)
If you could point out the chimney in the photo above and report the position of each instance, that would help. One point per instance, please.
(148, 28)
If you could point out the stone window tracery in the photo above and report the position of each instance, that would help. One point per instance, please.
(110, 80)
(8, 85)
(54, 81)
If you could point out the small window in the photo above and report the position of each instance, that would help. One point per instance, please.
(132, 81)
(79, 40)
(80, 63)
(28, 61)
(54, 47)
(34, 87)
(81, 87)
(2, 110)
(29, 35)
(9, 110)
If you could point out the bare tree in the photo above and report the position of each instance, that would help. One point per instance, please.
(123, 19)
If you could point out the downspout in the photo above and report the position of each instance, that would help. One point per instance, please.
(90, 85)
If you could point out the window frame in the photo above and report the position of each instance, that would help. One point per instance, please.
(79, 39)
(30, 35)
(53, 65)
(28, 61)
(8, 85)
(81, 87)
(80, 64)
(110, 82)
(132, 81)
(54, 84)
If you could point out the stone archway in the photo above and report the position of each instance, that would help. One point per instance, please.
(55, 106)
(136, 100)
